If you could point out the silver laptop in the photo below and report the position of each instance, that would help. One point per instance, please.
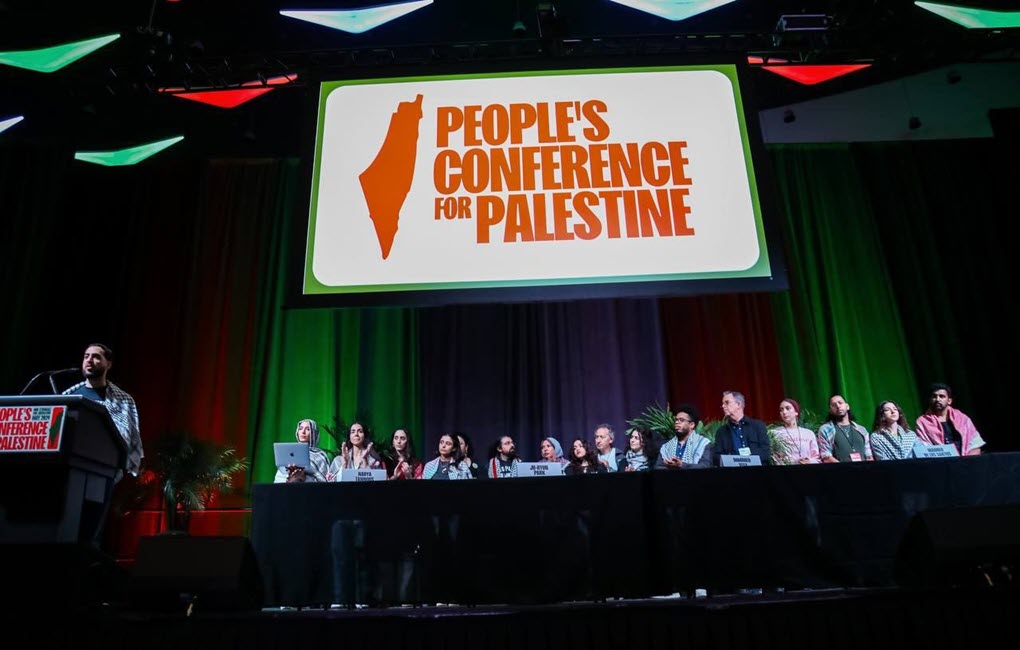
(291, 453)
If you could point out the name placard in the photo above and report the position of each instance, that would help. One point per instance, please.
(31, 428)
(359, 475)
(539, 469)
(935, 451)
(733, 460)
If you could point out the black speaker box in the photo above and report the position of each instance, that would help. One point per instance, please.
(960, 547)
(177, 572)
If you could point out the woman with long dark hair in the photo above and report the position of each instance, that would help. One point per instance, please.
(891, 437)
(356, 452)
(401, 462)
(467, 452)
(449, 465)
(583, 460)
(641, 450)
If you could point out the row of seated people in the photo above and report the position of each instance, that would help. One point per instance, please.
(840, 439)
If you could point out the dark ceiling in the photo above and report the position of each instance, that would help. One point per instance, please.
(111, 94)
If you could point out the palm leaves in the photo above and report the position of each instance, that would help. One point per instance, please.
(656, 419)
(188, 472)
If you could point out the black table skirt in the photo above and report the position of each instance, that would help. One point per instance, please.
(619, 535)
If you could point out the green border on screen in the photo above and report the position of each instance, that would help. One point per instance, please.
(759, 269)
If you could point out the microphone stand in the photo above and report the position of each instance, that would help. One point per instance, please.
(50, 375)
(34, 379)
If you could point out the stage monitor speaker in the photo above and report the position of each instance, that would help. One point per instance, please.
(182, 572)
(976, 546)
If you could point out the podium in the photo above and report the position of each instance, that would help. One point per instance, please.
(59, 458)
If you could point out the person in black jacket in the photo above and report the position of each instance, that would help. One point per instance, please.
(739, 434)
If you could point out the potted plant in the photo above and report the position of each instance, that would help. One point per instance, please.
(656, 419)
(187, 472)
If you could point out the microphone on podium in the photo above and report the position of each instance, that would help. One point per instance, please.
(50, 374)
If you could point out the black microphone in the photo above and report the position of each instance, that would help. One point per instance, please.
(50, 374)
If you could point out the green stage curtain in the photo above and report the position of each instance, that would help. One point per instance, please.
(839, 328)
(330, 365)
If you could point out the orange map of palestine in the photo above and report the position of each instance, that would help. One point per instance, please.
(386, 182)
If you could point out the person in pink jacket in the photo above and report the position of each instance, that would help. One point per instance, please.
(942, 424)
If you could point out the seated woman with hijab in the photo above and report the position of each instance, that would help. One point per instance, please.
(307, 432)
(552, 452)
(401, 462)
(449, 464)
(583, 460)
(356, 453)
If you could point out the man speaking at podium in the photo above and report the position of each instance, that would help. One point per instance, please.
(94, 365)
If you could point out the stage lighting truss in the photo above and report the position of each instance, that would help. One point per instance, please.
(803, 23)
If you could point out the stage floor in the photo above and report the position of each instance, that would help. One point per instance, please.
(868, 619)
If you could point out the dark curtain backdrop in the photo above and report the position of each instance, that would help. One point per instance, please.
(717, 343)
(898, 255)
(945, 211)
(537, 370)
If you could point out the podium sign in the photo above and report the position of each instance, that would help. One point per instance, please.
(59, 458)
(31, 428)
(359, 475)
(539, 469)
(935, 451)
(733, 460)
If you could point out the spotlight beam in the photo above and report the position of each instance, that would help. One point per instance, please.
(673, 9)
(973, 18)
(9, 122)
(51, 59)
(356, 21)
(129, 156)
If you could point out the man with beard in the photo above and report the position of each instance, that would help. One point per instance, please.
(95, 365)
(688, 449)
(841, 439)
(504, 461)
(942, 424)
